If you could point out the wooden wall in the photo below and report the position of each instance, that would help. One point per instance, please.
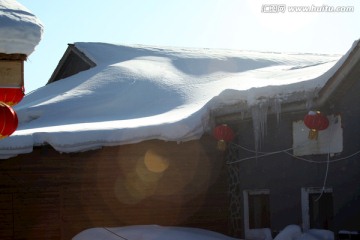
(48, 195)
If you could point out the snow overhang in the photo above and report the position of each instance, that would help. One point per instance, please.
(339, 79)
(20, 30)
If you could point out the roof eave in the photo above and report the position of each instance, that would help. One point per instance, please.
(350, 67)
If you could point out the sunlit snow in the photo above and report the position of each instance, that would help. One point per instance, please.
(136, 93)
(154, 232)
(20, 30)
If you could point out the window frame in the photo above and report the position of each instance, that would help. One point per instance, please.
(305, 205)
(246, 194)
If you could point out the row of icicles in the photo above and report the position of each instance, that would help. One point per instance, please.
(314, 120)
(8, 117)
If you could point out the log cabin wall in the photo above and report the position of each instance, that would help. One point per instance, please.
(48, 195)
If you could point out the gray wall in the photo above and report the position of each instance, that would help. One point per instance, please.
(285, 175)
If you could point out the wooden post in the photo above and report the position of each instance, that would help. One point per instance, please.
(12, 70)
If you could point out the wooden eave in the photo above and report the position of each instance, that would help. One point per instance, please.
(13, 57)
(343, 79)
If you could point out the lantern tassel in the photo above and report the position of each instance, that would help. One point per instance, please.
(221, 145)
(313, 134)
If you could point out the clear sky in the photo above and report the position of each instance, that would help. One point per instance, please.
(260, 25)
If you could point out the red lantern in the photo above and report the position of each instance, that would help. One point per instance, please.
(223, 133)
(315, 121)
(12, 96)
(8, 120)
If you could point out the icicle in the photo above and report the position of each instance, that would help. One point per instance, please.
(259, 117)
(310, 96)
(242, 113)
(309, 103)
(243, 108)
(276, 106)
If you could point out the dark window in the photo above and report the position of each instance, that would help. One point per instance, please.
(321, 210)
(259, 211)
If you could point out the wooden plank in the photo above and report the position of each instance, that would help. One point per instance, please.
(58, 195)
(6, 216)
(14, 56)
(37, 214)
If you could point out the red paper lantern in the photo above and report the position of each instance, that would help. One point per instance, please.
(8, 120)
(223, 133)
(11, 96)
(315, 121)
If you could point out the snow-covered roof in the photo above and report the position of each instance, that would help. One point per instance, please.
(137, 93)
(20, 30)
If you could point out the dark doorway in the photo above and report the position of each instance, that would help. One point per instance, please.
(259, 211)
(321, 210)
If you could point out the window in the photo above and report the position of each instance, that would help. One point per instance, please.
(259, 210)
(256, 209)
(317, 208)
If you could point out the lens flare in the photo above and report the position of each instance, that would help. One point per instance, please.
(154, 162)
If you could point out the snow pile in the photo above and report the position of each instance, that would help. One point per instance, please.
(259, 234)
(155, 232)
(20, 30)
(293, 232)
(290, 232)
(152, 232)
(137, 93)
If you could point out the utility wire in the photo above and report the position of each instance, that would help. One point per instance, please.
(286, 151)
(115, 233)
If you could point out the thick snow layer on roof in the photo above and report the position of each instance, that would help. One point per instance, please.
(137, 93)
(20, 30)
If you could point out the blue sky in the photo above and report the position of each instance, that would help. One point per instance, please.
(234, 24)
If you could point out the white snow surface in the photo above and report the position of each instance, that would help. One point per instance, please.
(20, 30)
(258, 233)
(149, 232)
(156, 232)
(137, 93)
(294, 232)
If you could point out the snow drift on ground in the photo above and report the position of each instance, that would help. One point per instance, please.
(20, 30)
(149, 232)
(137, 93)
(293, 232)
(155, 232)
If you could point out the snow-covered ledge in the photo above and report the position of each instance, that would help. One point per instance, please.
(20, 30)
